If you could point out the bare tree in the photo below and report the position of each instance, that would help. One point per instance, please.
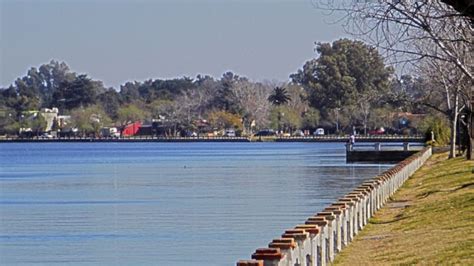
(447, 87)
(364, 102)
(413, 31)
(252, 98)
(465, 7)
(298, 97)
(404, 28)
(203, 95)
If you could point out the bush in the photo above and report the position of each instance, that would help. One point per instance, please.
(440, 130)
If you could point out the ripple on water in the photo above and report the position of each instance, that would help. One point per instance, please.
(136, 203)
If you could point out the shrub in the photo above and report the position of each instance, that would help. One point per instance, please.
(440, 129)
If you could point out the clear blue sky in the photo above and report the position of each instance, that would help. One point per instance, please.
(117, 41)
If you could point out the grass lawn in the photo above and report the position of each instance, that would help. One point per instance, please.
(430, 220)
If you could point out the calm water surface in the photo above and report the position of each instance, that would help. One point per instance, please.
(161, 203)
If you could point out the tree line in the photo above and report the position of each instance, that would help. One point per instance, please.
(346, 87)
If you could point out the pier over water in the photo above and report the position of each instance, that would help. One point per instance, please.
(381, 152)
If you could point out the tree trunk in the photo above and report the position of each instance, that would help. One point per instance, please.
(469, 128)
(452, 146)
(470, 151)
(454, 123)
(365, 123)
(470, 132)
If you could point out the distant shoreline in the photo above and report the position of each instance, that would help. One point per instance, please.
(342, 139)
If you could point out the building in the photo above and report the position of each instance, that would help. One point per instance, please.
(49, 115)
(131, 129)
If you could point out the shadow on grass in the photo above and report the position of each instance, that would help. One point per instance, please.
(397, 218)
(426, 194)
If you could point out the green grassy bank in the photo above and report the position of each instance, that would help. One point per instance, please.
(430, 220)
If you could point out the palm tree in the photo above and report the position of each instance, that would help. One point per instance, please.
(279, 96)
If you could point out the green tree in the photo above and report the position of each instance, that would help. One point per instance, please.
(129, 114)
(12, 128)
(285, 118)
(439, 127)
(151, 90)
(310, 119)
(81, 92)
(166, 89)
(90, 120)
(9, 98)
(110, 101)
(222, 120)
(8, 121)
(49, 77)
(279, 96)
(37, 124)
(35, 90)
(347, 73)
(27, 97)
(381, 117)
(225, 98)
(129, 92)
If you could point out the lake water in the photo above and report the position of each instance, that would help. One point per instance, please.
(161, 203)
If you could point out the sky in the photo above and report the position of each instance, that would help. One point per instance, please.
(126, 40)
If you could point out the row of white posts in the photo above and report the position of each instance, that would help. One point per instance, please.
(321, 237)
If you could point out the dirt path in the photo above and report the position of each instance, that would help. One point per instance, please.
(430, 220)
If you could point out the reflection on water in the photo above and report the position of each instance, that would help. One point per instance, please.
(162, 203)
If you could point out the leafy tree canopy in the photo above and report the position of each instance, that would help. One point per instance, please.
(223, 119)
(130, 113)
(345, 70)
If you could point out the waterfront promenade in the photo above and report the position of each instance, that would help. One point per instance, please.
(428, 221)
(322, 236)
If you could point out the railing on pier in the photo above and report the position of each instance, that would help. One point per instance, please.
(379, 146)
(381, 152)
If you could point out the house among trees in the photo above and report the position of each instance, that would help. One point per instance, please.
(131, 129)
(404, 120)
(51, 118)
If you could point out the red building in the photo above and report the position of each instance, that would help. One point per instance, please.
(131, 129)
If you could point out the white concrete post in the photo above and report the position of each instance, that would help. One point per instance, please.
(337, 213)
(353, 210)
(322, 241)
(331, 219)
(314, 232)
(323, 258)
